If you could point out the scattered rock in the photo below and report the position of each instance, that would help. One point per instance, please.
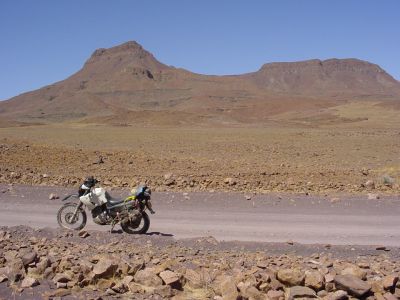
(165, 291)
(230, 181)
(297, 292)
(275, 295)
(382, 248)
(169, 277)
(147, 277)
(120, 288)
(198, 271)
(389, 282)
(314, 280)
(61, 277)
(389, 296)
(16, 270)
(365, 171)
(105, 268)
(29, 282)
(291, 277)
(29, 258)
(355, 271)
(228, 289)
(194, 279)
(61, 285)
(372, 196)
(99, 161)
(3, 278)
(83, 234)
(248, 291)
(352, 284)
(370, 184)
(338, 295)
(53, 196)
(335, 200)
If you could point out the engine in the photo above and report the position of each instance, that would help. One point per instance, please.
(100, 215)
(133, 217)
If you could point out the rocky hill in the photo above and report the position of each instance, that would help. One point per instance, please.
(126, 84)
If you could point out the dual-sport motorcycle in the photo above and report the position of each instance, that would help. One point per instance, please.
(129, 212)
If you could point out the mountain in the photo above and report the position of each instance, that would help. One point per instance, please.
(127, 84)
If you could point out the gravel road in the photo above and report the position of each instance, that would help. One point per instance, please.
(353, 220)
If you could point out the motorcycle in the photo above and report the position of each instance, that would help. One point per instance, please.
(130, 212)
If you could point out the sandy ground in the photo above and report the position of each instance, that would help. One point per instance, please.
(350, 220)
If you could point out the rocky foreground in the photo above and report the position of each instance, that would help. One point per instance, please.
(48, 263)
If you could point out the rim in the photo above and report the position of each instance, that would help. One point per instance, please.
(139, 224)
(66, 217)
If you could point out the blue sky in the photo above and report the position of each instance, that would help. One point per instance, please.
(44, 41)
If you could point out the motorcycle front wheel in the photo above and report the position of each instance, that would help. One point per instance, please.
(142, 228)
(66, 218)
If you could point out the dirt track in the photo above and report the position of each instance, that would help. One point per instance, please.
(228, 216)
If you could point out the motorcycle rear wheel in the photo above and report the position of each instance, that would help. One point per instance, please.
(141, 229)
(65, 214)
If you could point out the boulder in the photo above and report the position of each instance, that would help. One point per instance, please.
(135, 266)
(3, 278)
(193, 279)
(249, 291)
(291, 277)
(389, 282)
(314, 280)
(165, 291)
(275, 295)
(169, 277)
(41, 266)
(120, 288)
(302, 292)
(105, 268)
(228, 289)
(352, 284)
(15, 270)
(29, 282)
(338, 295)
(29, 258)
(355, 271)
(147, 277)
(389, 296)
(61, 277)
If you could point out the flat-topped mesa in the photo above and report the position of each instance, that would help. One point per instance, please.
(327, 66)
(307, 77)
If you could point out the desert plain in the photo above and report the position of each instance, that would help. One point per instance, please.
(322, 154)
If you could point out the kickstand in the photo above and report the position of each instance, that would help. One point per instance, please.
(112, 227)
